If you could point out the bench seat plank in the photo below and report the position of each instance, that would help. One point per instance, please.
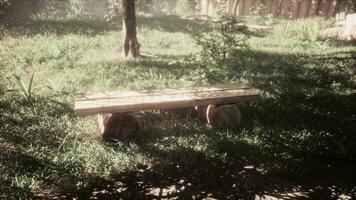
(131, 101)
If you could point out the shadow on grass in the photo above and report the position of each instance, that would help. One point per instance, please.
(306, 92)
(341, 43)
(312, 95)
(302, 133)
(22, 169)
(23, 120)
(26, 126)
(184, 173)
(298, 144)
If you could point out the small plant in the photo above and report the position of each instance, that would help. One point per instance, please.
(25, 90)
(221, 46)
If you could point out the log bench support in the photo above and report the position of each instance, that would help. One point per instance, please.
(118, 126)
(116, 118)
(226, 116)
(126, 126)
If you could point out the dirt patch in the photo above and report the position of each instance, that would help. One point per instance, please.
(118, 55)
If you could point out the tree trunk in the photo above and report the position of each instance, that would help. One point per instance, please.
(276, 7)
(314, 8)
(229, 8)
(211, 8)
(234, 8)
(324, 8)
(156, 7)
(131, 45)
(247, 6)
(285, 8)
(296, 4)
(268, 4)
(304, 8)
(204, 7)
(333, 8)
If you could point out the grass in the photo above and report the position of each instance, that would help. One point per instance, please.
(297, 140)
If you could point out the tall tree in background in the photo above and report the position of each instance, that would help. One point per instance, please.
(130, 45)
(3, 6)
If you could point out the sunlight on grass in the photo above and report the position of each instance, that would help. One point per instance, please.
(306, 111)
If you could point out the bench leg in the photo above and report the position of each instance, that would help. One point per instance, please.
(221, 116)
(118, 126)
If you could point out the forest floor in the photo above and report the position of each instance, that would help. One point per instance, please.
(297, 142)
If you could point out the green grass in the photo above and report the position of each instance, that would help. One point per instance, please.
(299, 136)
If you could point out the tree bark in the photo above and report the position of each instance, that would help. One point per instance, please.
(247, 6)
(241, 7)
(204, 7)
(314, 8)
(324, 8)
(234, 8)
(229, 8)
(212, 8)
(304, 8)
(285, 8)
(333, 8)
(268, 4)
(296, 4)
(276, 7)
(131, 45)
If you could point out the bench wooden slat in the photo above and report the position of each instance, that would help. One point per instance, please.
(90, 96)
(131, 101)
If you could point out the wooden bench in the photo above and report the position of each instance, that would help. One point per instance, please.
(216, 103)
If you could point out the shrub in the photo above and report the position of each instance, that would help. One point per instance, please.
(223, 49)
(350, 6)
